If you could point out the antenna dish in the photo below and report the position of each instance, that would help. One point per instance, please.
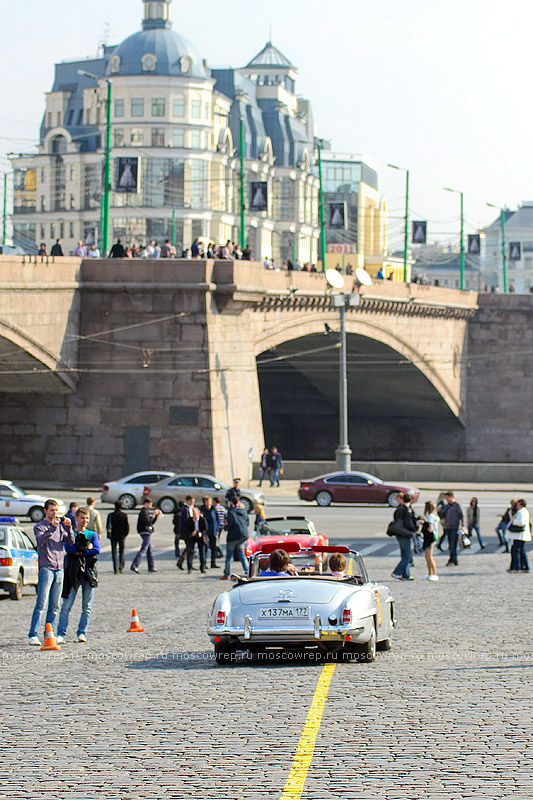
(363, 277)
(335, 279)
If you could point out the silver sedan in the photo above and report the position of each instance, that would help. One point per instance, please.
(129, 490)
(167, 493)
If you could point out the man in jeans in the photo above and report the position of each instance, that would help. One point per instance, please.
(51, 534)
(452, 518)
(80, 571)
(275, 462)
(405, 517)
(237, 534)
(145, 527)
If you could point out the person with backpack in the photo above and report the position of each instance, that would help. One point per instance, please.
(430, 527)
(403, 526)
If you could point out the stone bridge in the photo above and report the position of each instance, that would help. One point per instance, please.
(109, 366)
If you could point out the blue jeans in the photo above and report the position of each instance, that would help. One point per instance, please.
(87, 594)
(453, 538)
(49, 585)
(518, 556)
(405, 557)
(274, 476)
(475, 528)
(238, 547)
(263, 472)
(146, 550)
(501, 530)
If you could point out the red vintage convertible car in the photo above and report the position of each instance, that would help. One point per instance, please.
(280, 530)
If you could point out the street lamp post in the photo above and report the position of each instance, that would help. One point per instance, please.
(343, 453)
(4, 211)
(104, 213)
(504, 245)
(243, 185)
(406, 223)
(462, 243)
(322, 210)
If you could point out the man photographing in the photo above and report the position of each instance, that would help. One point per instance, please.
(51, 534)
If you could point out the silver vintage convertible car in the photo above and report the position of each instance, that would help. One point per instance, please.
(312, 608)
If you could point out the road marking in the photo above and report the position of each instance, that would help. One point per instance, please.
(366, 551)
(306, 746)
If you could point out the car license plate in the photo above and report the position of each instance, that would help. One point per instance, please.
(285, 612)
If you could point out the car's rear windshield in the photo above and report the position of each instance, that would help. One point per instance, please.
(282, 526)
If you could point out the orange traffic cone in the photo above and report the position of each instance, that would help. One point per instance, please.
(49, 639)
(135, 626)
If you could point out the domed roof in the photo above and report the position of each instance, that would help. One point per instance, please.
(174, 55)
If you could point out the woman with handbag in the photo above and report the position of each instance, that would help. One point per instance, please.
(430, 527)
(520, 532)
(472, 521)
(403, 526)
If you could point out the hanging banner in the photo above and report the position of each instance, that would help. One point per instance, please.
(259, 196)
(127, 177)
(474, 244)
(419, 232)
(515, 251)
(338, 216)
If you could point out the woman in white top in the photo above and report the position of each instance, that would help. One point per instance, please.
(430, 531)
(520, 532)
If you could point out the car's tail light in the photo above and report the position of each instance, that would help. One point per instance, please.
(106, 488)
(221, 617)
(6, 561)
(304, 485)
(346, 616)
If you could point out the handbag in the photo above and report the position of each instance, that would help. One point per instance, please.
(397, 528)
(465, 539)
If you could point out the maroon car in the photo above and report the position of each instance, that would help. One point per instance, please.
(352, 487)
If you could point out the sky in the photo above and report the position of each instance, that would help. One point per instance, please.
(440, 88)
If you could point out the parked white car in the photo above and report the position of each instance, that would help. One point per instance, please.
(15, 502)
(129, 490)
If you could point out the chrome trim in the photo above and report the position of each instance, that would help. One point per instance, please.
(247, 626)
(316, 623)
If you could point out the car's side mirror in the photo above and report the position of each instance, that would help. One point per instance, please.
(370, 483)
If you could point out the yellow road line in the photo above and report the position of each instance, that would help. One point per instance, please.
(306, 746)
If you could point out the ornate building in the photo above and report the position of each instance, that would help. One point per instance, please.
(176, 129)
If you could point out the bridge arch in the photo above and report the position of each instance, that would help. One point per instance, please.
(399, 401)
(26, 366)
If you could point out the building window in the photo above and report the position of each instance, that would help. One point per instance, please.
(43, 176)
(43, 232)
(198, 183)
(149, 62)
(43, 208)
(72, 173)
(206, 110)
(119, 107)
(71, 230)
(72, 201)
(178, 137)
(158, 107)
(137, 107)
(52, 231)
(58, 119)
(186, 64)
(118, 137)
(137, 137)
(195, 139)
(196, 109)
(158, 137)
(61, 230)
(49, 119)
(178, 107)
(115, 63)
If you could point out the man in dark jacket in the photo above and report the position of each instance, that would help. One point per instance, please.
(183, 528)
(145, 527)
(56, 250)
(118, 527)
(404, 516)
(117, 251)
(237, 525)
(208, 512)
(235, 491)
(80, 570)
(452, 518)
(275, 462)
(196, 535)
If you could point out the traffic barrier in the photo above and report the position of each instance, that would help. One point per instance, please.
(135, 625)
(49, 639)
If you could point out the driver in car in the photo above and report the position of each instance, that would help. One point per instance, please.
(279, 565)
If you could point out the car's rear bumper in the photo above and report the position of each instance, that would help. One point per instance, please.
(303, 634)
(9, 574)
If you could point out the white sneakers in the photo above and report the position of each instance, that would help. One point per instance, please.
(82, 638)
(433, 577)
(60, 639)
(34, 640)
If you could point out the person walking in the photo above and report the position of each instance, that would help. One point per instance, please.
(472, 521)
(264, 469)
(503, 524)
(118, 527)
(50, 534)
(117, 251)
(452, 518)
(176, 527)
(260, 516)
(519, 531)
(237, 534)
(95, 520)
(145, 527)
(208, 512)
(430, 527)
(183, 527)
(196, 535)
(403, 527)
(275, 462)
(80, 570)
(56, 250)
(222, 514)
(80, 251)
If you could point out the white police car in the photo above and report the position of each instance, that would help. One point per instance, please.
(14, 501)
(18, 558)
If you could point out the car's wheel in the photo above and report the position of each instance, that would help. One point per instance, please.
(167, 505)
(15, 591)
(323, 498)
(392, 499)
(385, 644)
(128, 502)
(224, 654)
(367, 651)
(36, 514)
(247, 503)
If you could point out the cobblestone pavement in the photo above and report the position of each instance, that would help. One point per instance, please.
(446, 714)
